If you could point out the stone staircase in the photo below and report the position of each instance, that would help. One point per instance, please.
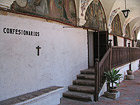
(83, 87)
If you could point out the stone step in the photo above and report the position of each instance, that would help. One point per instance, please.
(84, 82)
(88, 71)
(83, 89)
(86, 76)
(68, 101)
(78, 96)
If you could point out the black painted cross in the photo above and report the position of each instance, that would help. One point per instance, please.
(38, 48)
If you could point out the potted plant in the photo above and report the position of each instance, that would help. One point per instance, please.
(112, 77)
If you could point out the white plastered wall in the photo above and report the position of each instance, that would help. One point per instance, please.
(111, 38)
(63, 54)
(120, 41)
(128, 41)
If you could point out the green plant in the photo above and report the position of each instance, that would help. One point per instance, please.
(112, 77)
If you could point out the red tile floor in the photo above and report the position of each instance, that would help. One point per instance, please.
(130, 94)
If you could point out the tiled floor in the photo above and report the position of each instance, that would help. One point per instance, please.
(130, 94)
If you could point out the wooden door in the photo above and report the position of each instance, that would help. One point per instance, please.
(115, 40)
(125, 42)
(100, 44)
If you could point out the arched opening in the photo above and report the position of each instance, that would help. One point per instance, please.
(95, 16)
(97, 40)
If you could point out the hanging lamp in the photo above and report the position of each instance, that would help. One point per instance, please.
(126, 11)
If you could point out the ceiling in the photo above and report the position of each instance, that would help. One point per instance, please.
(133, 18)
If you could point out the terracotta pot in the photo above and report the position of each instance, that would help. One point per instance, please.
(112, 90)
(129, 72)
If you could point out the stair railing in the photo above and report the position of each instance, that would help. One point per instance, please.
(124, 55)
(100, 67)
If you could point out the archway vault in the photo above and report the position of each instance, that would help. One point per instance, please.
(95, 16)
(117, 7)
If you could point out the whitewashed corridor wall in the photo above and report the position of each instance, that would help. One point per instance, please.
(63, 54)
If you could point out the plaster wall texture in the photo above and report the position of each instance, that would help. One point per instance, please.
(111, 38)
(63, 54)
(120, 41)
(128, 41)
(123, 69)
(135, 44)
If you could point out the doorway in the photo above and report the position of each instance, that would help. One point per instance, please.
(132, 43)
(97, 46)
(100, 43)
(115, 40)
(125, 42)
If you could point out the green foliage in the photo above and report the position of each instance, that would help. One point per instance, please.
(113, 76)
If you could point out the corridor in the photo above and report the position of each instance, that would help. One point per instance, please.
(130, 94)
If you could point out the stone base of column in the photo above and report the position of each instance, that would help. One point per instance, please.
(129, 77)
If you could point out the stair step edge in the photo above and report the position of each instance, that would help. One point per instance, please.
(78, 96)
(83, 89)
(90, 77)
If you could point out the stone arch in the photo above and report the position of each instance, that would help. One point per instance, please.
(127, 21)
(134, 26)
(84, 6)
(112, 16)
(95, 16)
(116, 26)
(117, 7)
(127, 32)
